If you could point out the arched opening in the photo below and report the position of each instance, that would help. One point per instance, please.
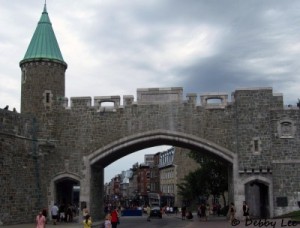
(65, 191)
(97, 161)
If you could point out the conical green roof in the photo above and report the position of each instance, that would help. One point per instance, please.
(43, 44)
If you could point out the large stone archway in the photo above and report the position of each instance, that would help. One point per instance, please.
(92, 190)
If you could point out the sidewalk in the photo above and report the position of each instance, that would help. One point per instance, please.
(213, 222)
(59, 225)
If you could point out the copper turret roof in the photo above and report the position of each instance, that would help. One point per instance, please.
(43, 45)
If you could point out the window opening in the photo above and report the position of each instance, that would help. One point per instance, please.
(47, 97)
(256, 145)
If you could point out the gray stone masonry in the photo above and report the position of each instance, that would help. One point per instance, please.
(253, 132)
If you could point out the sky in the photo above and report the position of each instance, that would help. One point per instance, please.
(113, 47)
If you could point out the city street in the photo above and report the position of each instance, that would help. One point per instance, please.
(132, 222)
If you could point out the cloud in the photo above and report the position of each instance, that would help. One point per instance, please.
(114, 47)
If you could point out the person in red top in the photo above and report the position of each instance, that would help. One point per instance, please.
(114, 218)
(40, 220)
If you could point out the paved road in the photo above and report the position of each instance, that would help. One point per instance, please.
(133, 222)
(174, 221)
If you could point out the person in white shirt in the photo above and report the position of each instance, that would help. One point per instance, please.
(54, 213)
(107, 222)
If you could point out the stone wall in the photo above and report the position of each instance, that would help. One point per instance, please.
(21, 195)
(63, 140)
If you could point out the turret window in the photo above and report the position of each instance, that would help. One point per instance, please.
(256, 145)
(23, 76)
(47, 98)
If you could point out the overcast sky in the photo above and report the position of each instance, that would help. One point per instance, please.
(113, 47)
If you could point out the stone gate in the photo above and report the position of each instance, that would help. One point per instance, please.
(56, 142)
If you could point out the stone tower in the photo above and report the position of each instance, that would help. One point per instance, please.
(43, 71)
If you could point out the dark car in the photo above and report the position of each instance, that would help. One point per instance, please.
(155, 212)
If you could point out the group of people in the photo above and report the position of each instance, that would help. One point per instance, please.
(41, 218)
(185, 214)
(232, 211)
(203, 211)
(63, 213)
(112, 219)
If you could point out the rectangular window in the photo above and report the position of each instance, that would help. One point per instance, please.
(256, 146)
(23, 76)
(47, 98)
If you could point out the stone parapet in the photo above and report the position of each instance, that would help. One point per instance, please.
(191, 98)
(128, 100)
(81, 102)
(159, 95)
(223, 97)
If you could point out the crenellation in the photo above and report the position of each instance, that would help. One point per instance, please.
(223, 97)
(101, 99)
(65, 102)
(128, 100)
(81, 102)
(159, 95)
(174, 94)
(192, 98)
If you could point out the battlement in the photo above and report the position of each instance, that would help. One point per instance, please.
(222, 97)
(148, 96)
(159, 95)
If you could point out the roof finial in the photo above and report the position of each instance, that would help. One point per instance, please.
(45, 8)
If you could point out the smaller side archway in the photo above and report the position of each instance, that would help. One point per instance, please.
(64, 189)
(258, 194)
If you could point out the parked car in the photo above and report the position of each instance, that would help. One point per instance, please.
(155, 212)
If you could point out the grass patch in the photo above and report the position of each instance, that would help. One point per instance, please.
(295, 216)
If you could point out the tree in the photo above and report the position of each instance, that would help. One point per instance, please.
(210, 179)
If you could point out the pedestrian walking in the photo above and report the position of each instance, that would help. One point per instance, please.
(87, 223)
(199, 212)
(148, 209)
(107, 222)
(218, 209)
(246, 210)
(85, 212)
(203, 212)
(183, 212)
(40, 220)
(231, 213)
(207, 211)
(45, 213)
(54, 213)
(114, 218)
